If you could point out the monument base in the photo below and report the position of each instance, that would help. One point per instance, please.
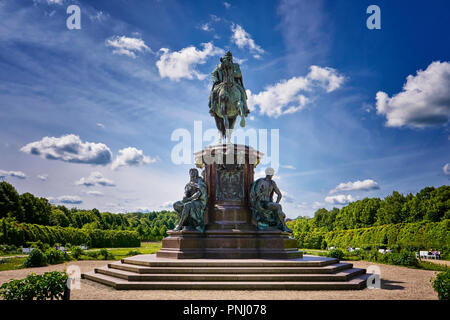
(229, 244)
(148, 272)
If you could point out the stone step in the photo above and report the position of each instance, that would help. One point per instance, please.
(333, 268)
(153, 261)
(358, 282)
(344, 275)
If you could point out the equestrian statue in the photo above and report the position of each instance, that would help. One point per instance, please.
(227, 99)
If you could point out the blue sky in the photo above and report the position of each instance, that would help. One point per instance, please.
(86, 116)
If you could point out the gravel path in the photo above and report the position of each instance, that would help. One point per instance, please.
(398, 283)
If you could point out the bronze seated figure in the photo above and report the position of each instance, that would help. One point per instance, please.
(267, 213)
(192, 208)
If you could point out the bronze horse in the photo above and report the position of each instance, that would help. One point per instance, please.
(228, 101)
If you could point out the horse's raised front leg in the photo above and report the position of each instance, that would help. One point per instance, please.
(221, 129)
(242, 114)
(226, 121)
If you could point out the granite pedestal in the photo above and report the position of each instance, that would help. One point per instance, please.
(230, 232)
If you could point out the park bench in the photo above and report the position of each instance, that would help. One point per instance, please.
(27, 250)
(426, 255)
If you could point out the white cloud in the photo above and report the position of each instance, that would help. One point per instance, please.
(317, 205)
(288, 166)
(214, 18)
(243, 39)
(281, 98)
(168, 205)
(340, 199)
(95, 193)
(285, 97)
(95, 179)
(446, 169)
(182, 64)
(358, 185)
(206, 27)
(66, 199)
(131, 157)
(42, 177)
(101, 125)
(99, 16)
(424, 100)
(286, 197)
(240, 61)
(227, 5)
(261, 174)
(327, 77)
(70, 148)
(14, 174)
(60, 2)
(127, 46)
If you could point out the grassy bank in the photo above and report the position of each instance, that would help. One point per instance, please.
(91, 254)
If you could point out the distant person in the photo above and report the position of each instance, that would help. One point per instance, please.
(438, 254)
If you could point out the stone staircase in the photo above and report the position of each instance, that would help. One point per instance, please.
(147, 272)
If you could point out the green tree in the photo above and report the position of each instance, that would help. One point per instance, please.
(58, 218)
(37, 210)
(9, 202)
(390, 210)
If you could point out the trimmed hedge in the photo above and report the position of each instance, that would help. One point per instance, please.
(13, 232)
(419, 235)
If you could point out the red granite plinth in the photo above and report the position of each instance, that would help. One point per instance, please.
(230, 232)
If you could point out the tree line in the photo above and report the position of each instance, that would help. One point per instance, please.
(29, 209)
(364, 222)
(430, 204)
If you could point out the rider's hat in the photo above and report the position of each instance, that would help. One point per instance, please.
(228, 54)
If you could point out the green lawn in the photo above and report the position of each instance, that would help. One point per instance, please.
(11, 264)
(145, 248)
(120, 253)
(314, 252)
(9, 254)
(117, 253)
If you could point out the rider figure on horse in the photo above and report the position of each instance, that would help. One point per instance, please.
(228, 97)
(217, 77)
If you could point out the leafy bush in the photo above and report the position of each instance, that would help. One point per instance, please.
(93, 254)
(441, 284)
(36, 258)
(76, 252)
(54, 256)
(106, 254)
(8, 249)
(404, 258)
(133, 253)
(38, 245)
(13, 232)
(335, 253)
(113, 239)
(410, 236)
(50, 285)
